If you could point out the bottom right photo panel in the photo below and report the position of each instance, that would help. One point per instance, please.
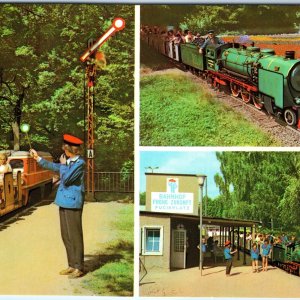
(219, 223)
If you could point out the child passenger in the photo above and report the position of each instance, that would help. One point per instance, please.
(254, 258)
(266, 250)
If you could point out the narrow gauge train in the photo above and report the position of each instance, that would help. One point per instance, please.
(287, 258)
(26, 179)
(256, 75)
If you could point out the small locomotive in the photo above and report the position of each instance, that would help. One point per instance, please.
(26, 179)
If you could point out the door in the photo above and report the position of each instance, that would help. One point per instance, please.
(178, 249)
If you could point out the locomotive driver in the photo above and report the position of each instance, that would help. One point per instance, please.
(211, 40)
(70, 199)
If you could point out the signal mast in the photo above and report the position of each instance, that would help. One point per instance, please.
(118, 24)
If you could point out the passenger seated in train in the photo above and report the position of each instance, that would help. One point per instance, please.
(211, 40)
(178, 38)
(198, 40)
(4, 168)
(4, 165)
(189, 37)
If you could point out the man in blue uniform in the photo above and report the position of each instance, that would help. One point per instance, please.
(228, 257)
(70, 199)
(211, 40)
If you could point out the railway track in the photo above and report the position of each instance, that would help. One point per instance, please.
(285, 135)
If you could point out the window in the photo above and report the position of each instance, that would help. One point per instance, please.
(152, 240)
(16, 163)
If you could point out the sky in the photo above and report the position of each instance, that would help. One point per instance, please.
(180, 162)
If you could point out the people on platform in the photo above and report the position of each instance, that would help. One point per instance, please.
(254, 257)
(228, 252)
(70, 199)
(204, 250)
(266, 250)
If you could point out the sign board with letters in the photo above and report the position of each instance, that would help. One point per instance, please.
(90, 153)
(172, 202)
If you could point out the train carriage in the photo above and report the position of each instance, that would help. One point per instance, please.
(287, 258)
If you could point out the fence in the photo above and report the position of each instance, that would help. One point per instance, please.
(114, 182)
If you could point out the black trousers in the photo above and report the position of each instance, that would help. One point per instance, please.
(228, 266)
(72, 236)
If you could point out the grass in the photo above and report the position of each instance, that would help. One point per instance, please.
(176, 111)
(115, 275)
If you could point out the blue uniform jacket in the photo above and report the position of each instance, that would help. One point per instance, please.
(70, 193)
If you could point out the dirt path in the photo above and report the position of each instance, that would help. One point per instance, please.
(243, 283)
(32, 251)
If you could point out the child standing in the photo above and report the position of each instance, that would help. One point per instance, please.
(254, 257)
(228, 257)
(266, 250)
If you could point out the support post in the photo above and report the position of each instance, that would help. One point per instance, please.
(244, 262)
(238, 245)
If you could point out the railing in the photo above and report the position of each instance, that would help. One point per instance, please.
(114, 182)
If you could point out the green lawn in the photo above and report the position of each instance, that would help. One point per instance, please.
(177, 111)
(114, 277)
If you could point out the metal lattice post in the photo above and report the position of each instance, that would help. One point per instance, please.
(91, 73)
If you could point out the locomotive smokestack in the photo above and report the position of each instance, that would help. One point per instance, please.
(290, 54)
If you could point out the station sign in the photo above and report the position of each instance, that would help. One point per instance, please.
(181, 203)
(90, 153)
(172, 185)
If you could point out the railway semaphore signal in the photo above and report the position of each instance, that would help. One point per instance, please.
(117, 25)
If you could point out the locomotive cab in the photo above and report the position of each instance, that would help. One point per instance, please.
(213, 55)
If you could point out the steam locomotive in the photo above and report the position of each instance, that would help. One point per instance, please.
(269, 81)
(26, 179)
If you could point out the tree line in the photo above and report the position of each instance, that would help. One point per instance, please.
(225, 19)
(261, 186)
(42, 81)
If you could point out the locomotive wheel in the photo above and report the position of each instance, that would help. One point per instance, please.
(290, 117)
(258, 103)
(235, 90)
(246, 96)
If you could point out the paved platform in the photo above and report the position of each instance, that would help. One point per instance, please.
(275, 283)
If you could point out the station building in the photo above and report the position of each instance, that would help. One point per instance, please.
(169, 223)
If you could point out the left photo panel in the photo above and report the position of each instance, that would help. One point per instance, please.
(67, 149)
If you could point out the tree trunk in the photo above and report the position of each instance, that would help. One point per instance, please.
(16, 132)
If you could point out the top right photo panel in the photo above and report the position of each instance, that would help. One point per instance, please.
(220, 75)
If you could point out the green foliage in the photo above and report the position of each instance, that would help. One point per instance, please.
(42, 79)
(116, 276)
(143, 198)
(225, 19)
(175, 110)
(259, 186)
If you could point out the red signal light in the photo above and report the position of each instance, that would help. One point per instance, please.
(118, 24)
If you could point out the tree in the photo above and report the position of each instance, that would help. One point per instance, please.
(42, 79)
(259, 186)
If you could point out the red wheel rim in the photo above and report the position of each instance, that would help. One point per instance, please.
(235, 91)
(246, 96)
(257, 103)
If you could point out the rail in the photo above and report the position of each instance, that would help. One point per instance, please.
(120, 182)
